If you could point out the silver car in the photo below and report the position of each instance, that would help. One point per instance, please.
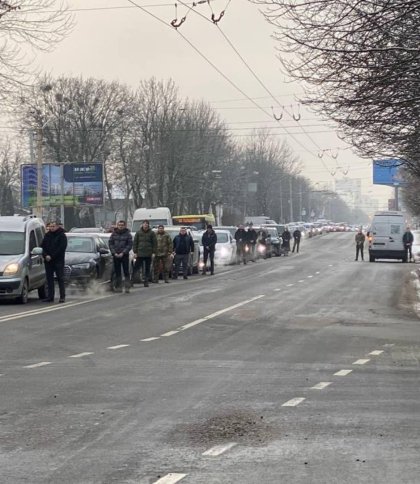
(21, 262)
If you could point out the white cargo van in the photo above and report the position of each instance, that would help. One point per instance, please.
(155, 216)
(385, 236)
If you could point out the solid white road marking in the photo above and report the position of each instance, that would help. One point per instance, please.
(170, 333)
(150, 339)
(343, 372)
(116, 347)
(221, 311)
(362, 361)
(376, 352)
(81, 355)
(37, 365)
(293, 402)
(321, 385)
(170, 478)
(219, 449)
(36, 312)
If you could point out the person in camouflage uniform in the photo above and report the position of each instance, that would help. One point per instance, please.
(163, 256)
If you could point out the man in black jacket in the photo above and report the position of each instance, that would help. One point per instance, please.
(252, 236)
(183, 246)
(297, 235)
(408, 240)
(120, 244)
(241, 238)
(209, 241)
(53, 250)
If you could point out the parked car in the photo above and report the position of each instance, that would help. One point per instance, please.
(21, 262)
(87, 258)
(275, 240)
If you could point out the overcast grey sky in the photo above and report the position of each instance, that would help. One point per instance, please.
(128, 45)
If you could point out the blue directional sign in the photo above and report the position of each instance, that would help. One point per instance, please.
(388, 172)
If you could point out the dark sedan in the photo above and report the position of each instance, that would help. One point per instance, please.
(87, 258)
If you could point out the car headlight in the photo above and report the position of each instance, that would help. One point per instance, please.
(223, 251)
(261, 249)
(11, 269)
(85, 265)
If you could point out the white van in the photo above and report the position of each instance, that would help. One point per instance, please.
(385, 236)
(155, 216)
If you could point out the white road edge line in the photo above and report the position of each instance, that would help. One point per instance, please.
(170, 478)
(294, 402)
(117, 347)
(170, 333)
(321, 385)
(38, 365)
(150, 339)
(80, 355)
(343, 372)
(362, 361)
(219, 449)
(376, 352)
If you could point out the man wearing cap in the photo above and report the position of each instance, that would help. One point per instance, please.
(209, 241)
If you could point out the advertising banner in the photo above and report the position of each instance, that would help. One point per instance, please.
(71, 184)
(387, 172)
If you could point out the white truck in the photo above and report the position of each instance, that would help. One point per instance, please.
(385, 236)
(155, 216)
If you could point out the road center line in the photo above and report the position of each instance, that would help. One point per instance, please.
(294, 402)
(343, 372)
(362, 361)
(150, 339)
(170, 478)
(376, 352)
(170, 333)
(317, 272)
(301, 280)
(321, 385)
(38, 365)
(310, 277)
(290, 285)
(116, 347)
(219, 449)
(193, 323)
(81, 355)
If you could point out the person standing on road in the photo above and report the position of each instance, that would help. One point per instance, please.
(144, 247)
(54, 247)
(360, 244)
(209, 241)
(163, 255)
(286, 236)
(241, 241)
(120, 244)
(252, 237)
(408, 240)
(297, 235)
(183, 246)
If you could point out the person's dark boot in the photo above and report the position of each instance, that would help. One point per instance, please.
(146, 283)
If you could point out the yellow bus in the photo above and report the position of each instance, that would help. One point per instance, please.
(200, 222)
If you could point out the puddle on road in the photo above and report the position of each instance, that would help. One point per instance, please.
(245, 427)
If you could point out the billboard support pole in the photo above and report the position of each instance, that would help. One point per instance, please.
(397, 203)
(39, 173)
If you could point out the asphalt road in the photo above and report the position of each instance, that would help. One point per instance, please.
(302, 369)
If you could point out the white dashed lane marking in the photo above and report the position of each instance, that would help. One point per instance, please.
(317, 272)
(150, 339)
(310, 277)
(294, 402)
(170, 478)
(170, 333)
(343, 372)
(117, 347)
(301, 280)
(81, 355)
(38, 365)
(321, 385)
(193, 323)
(290, 285)
(362, 361)
(376, 352)
(219, 449)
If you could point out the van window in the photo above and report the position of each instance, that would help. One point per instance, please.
(395, 229)
(39, 235)
(380, 229)
(32, 241)
(12, 243)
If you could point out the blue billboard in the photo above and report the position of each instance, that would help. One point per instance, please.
(71, 184)
(388, 172)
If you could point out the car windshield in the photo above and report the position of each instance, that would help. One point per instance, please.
(79, 244)
(12, 243)
(222, 238)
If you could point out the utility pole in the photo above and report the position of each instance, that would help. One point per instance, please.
(291, 198)
(39, 173)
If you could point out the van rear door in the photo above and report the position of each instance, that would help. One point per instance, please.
(380, 232)
(396, 232)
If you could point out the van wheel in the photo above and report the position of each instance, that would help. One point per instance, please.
(23, 298)
(371, 258)
(42, 292)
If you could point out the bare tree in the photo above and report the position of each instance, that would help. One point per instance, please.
(10, 161)
(27, 25)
